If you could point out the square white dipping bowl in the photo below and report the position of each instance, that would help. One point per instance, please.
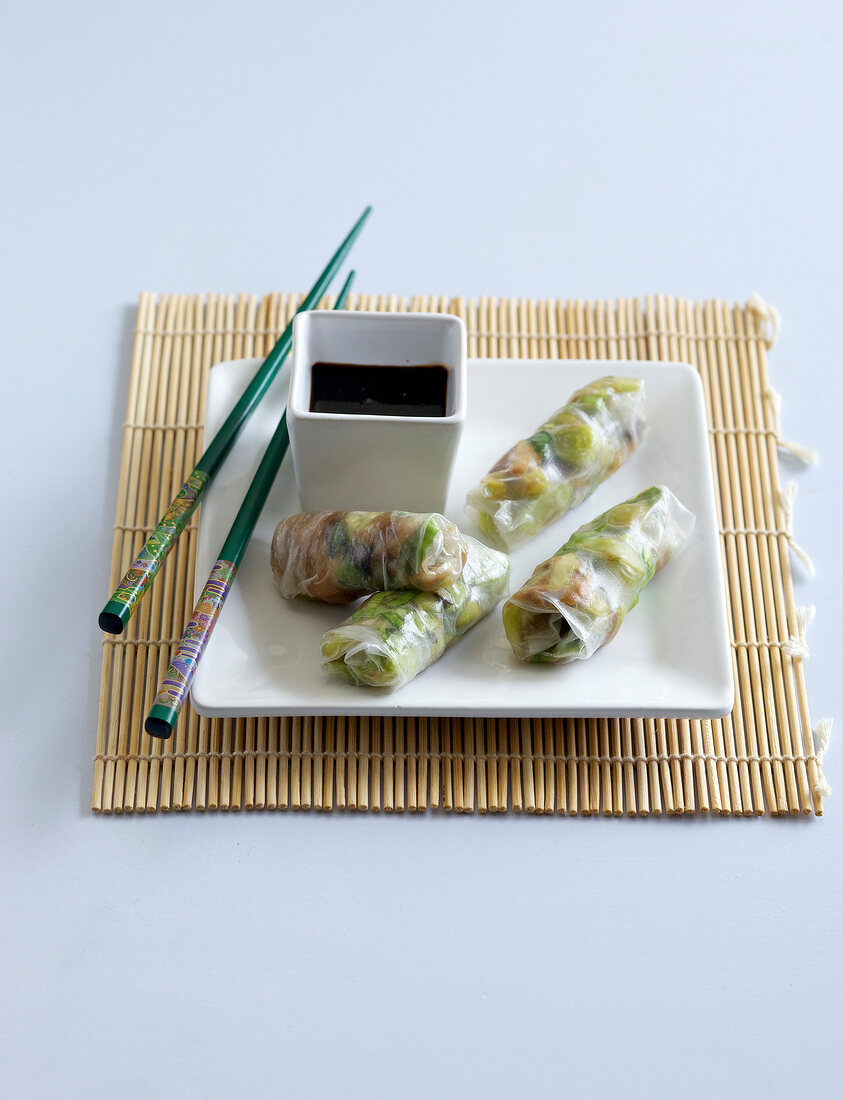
(374, 462)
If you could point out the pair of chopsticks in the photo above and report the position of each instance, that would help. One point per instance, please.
(172, 692)
(134, 585)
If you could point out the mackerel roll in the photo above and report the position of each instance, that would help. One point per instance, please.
(575, 602)
(394, 636)
(539, 479)
(336, 557)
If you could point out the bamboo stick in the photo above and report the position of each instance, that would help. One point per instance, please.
(174, 578)
(570, 751)
(676, 349)
(108, 674)
(388, 735)
(447, 764)
(470, 763)
(143, 656)
(549, 773)
(295, 762)
(526, 761)
(412, 735)
(329, 747)
(424, 763)
(342, 730)
(169, 383)
(363, 777)
(127, 537)
(350, 729)
(306, 800)
(400, 761)
(487, 764)
(193, 437)
(284, 759)
(559, 740)
(492, 764)
(375, 790)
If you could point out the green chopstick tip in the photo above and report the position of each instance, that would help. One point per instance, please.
(114, 617)
(358, 225)
(160, 721)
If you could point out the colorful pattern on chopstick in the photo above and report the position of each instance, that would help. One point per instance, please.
(179, 675)
(762, 758)
(159, 544)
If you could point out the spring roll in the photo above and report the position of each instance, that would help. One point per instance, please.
(393, 636)
(336, 557)
(541, 478)
(575, 602)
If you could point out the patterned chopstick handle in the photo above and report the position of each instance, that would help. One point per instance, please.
(179, 676)
(141, 573)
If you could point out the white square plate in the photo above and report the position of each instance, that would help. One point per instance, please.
(670, 659)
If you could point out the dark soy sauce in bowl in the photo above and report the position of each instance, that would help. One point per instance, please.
(349, 388)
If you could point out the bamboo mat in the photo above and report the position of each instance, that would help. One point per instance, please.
(762, 758)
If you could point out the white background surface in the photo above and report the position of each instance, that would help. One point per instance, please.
(585, 150)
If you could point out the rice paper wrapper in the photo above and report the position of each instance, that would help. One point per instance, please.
(336, 557)
(394, 636)
(541, 478)
(576, 601)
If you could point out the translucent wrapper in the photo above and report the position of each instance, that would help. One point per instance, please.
(394, 636)
(336, 557)
(575, 602)
(541, 478)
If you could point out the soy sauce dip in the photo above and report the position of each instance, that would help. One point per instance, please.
(350, 388)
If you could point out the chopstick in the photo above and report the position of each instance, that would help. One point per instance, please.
(173, 689)
(121, 606)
